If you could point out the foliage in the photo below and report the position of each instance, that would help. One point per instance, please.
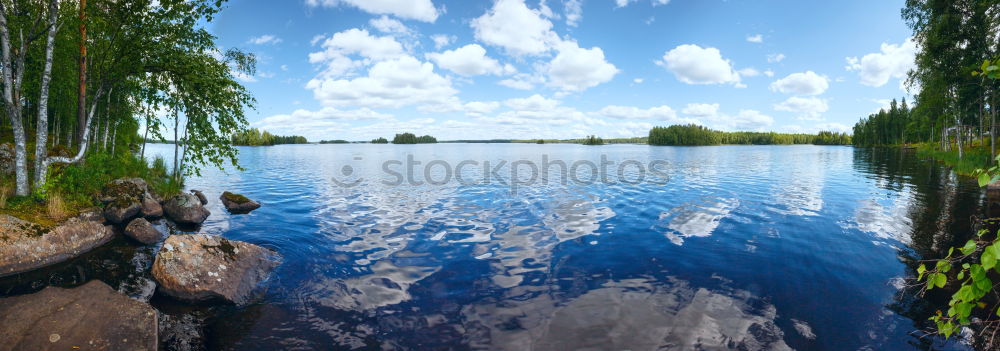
(380, 140)
(338, 141)
(77, 183)
(256, 137)
(593, 140)
(410, 138)
(695, 135)
(895, 126)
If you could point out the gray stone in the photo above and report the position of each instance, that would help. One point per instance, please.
(237, 203)
(88, 317)
(25, 246)
(143, 232)
(203, 267)
(185, 209)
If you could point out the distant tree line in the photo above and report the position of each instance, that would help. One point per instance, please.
(593, 140)
(257, 137)
(409, 138)
(335, 141)
(380, 140)
(694, 135)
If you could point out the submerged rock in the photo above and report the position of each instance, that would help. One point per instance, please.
(202, 267)
(25, 246)
(201, 196)
(185, 209)
(237, 203)
(91, 316)
(142, 231)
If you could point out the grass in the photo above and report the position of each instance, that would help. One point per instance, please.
(73, 188)
(973, 158)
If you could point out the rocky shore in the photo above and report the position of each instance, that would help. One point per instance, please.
(187, 268)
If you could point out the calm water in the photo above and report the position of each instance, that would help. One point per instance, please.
(743, 247)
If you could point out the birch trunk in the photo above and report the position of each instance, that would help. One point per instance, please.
(13, 73)
(42, 127)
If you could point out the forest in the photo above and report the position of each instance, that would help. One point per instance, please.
(256, 137)
(895, 126)
(410, 138)
(86, 82)
(696, 135)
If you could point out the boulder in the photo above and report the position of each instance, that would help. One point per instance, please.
(89, 317)
(25, 246)
(6, 159)
(150, 207)
(185, 209)
(143, 232)
(201, 196)
(92, 215)
(123, 199)
(237, 203)
(203, 267)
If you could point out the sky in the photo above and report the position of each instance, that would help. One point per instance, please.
(527, 69)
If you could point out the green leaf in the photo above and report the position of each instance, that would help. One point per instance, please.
(989, 258)
(970, 247)
(984, 179)
(940, 280)
(961, 275)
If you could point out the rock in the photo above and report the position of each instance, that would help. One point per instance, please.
(237, 203)
(25, 246)
(201, 196)
(143, 232)
(202, 267)
(185, 209)
(150, 207)
(91, 316)
(123, 199)
(6, 159)
(92, 215)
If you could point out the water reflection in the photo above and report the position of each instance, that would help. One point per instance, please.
(696, 219)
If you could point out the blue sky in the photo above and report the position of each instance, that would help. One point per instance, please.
(360, 69)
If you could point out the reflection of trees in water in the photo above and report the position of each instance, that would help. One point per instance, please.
(942, 215)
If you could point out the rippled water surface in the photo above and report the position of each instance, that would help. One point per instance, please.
(737, 247)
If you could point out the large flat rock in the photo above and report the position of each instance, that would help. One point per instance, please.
(203, 267)
(88, 317)
(25, 246)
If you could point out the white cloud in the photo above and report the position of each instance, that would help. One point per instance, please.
(805, 83)
(769, 73)
(393, 83)
(749, 72)
(284, 67)
(745, 120)
(576, 68)
(479, 108)
(421, 10)
(243, 77)
(469, 60)
(808, 108)
(532, 103)
(519, 30)
(660, 113)
(265, 39)
(693, 64)
(834, 127)
(757, 38)
(893, 61)
(623, 3)
(519, 84)
(442, 40)
(388, 25)
(638, 80)
(316, 124)
(574, 12)
(338, 48)
(773, 58)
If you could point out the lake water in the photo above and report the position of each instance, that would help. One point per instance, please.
(727, 247)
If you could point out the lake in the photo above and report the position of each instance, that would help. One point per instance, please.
(723, 247)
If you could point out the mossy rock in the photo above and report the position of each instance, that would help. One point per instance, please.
(238, 204)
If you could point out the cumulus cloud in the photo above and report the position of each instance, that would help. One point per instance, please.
(421, 10)
(809, 108)
(745, 120)
(892, 61)
(693, 64)
(338, 48)
(623, 3)
(515, 28)
(442, 40)
(576, 68)
(749, 72)
(265, 39)
(774, 58)
(392, 83)
(574, 12)
(804, 83)
(659, 113)
(385, 24)
(469, 60)
(756, 38)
